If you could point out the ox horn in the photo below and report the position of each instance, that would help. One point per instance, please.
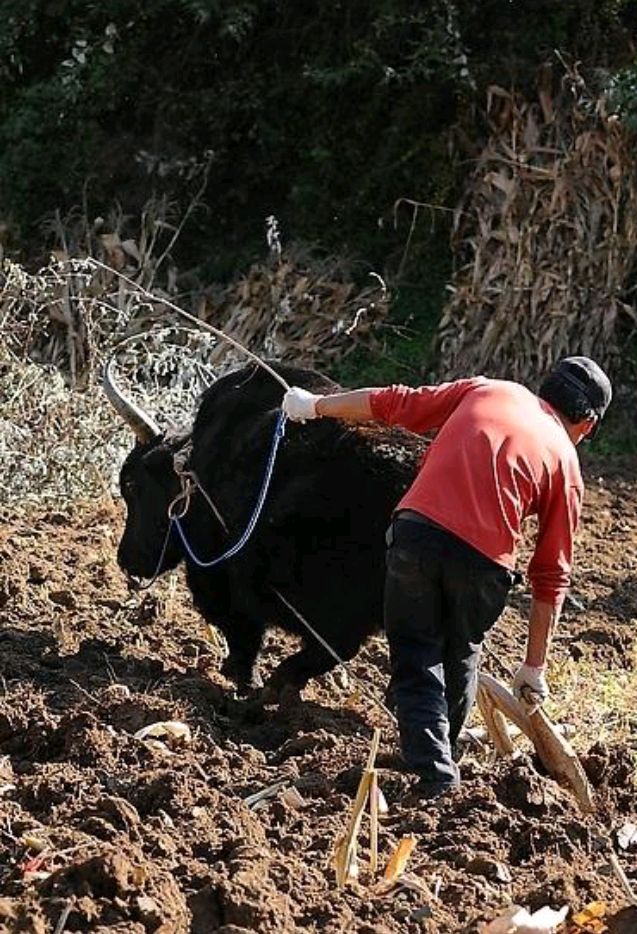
(142, 424)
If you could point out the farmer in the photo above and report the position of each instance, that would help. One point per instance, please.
(500, 454)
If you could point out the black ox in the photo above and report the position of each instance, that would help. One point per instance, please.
(319, 542)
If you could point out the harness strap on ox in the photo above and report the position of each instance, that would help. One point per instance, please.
(279, 432)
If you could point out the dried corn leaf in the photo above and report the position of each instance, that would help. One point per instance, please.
(405, 881)
(383, 807)
(590, 920)
(293, 797)
(399, 858)
(268, 792)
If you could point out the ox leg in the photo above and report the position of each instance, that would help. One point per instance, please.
(291, 676)
(244, 636)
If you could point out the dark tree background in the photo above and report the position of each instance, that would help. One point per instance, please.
(320, 113)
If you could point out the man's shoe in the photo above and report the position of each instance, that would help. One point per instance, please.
(424, 790)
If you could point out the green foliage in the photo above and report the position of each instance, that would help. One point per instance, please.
(407, 342)
(623, 95)
(323, 114)
(507, 39)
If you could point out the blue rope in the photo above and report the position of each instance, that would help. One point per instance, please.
(279, 432)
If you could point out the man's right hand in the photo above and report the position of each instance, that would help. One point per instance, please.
(300, 405)
(531, 687)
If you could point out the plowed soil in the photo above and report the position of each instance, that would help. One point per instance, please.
(101, 831)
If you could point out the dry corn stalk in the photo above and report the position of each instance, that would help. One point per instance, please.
(345, 860)
(555, 751)
(373, 823)
(545, 238)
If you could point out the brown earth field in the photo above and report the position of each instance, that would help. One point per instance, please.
(101, 831)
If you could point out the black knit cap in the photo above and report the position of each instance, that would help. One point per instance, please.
(588, 378)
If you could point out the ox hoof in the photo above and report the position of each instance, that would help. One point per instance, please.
(247, 688)
(284, 695)
(246, 681)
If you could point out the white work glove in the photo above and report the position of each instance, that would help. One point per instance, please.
(300, 405)
(530, 687)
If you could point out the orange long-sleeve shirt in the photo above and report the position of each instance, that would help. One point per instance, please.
(500, 454)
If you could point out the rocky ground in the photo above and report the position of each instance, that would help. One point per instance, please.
(102, 831)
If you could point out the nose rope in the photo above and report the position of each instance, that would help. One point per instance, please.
(184, 494)
(178, 507)
(279, 432)
(148, 584)
(193, 480)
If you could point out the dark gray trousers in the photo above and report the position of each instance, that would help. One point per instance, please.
(441, 597)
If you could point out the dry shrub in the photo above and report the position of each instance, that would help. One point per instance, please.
(59, 438)
(300, 311)
(56, 444)
(545, 238)
(290, 308)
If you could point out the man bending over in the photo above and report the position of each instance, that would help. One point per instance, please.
(500, 454)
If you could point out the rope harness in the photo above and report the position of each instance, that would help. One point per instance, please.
(179, 506)
(175, 519)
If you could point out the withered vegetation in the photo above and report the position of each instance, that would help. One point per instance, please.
(58, 436)
(545, 237)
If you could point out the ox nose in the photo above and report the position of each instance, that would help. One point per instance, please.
(130, 569)
(134, 582)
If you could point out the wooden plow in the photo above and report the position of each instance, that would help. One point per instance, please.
(498, 706)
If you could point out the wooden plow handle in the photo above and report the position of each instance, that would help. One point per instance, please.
(497, 704)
